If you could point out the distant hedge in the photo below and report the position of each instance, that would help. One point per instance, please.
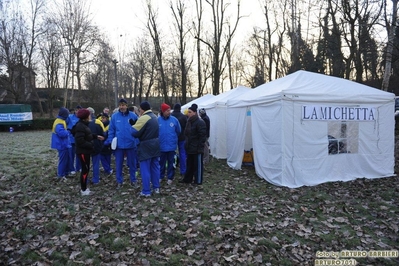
(37, 124)
(42, 123)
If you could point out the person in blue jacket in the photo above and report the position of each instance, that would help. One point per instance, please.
(74, 162)
(60, 141)
(97, 128)
(120, 127)
(169, 130)
(146, 129)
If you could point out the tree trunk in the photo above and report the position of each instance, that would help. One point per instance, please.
(391, 36)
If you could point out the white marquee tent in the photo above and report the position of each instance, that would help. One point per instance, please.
(216, 110)
(199, 100)
(310, 128)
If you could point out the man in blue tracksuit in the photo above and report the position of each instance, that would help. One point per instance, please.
(169, 130)
(120, 127)
(146, 129)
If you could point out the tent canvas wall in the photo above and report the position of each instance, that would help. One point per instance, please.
(292, 118)
(216, 110)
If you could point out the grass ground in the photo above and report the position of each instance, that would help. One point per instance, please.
(234, 218)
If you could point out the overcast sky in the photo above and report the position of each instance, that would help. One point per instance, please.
(127, 17)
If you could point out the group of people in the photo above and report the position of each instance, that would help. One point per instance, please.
(136, 136)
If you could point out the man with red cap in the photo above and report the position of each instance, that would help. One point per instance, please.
(169, 130)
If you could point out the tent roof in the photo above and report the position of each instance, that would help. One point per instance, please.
(309, 86)
(222, 98)
(197, 101)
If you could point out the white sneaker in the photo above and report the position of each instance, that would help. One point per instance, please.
(72, 173)
(85, 193)
(170, 182)
(156, 191)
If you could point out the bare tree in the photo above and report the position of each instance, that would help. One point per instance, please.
(153, 28)
(51, 56)
(257, 52)
(80, 34)
(36, 7)
(391, 36)
(268, 39)
(260, 49)
(330, 59)
(138, 66)
(230, 67)
(99, 81)
(179, 12)
(356, 14)
(151, 73)
(11, 57)
(143, 66)
(266, 44)
(198, 36)
(294, 37)
(220, 42)
(278, 49)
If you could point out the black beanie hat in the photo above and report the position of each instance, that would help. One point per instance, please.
(145, 106)
(193, 107)
(177, 107)
(64, 113)
(123, 101)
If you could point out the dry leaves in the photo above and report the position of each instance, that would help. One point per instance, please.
(235, 218)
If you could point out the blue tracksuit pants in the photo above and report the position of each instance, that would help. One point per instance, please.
(106, 162)
(63, 163)
(168, 157)
(131, 163)
(95, 158)
(182, 157)
(149, 170)
(74, 161)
